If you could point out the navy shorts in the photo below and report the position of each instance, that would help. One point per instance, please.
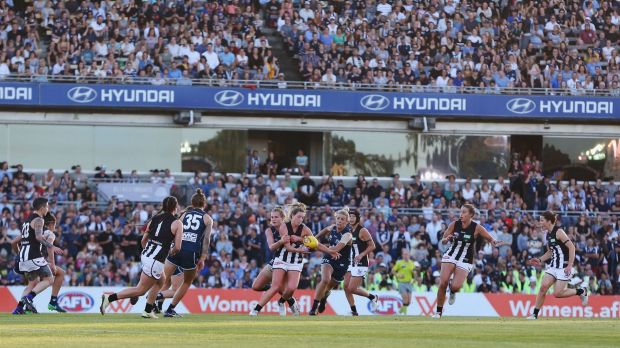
(177, 271)
(339, 268)
(184, 259)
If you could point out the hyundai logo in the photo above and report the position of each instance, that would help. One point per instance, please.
(82, 95)
(374, 102)
(228, 98)
(521, 105)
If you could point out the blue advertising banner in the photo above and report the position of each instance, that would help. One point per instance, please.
(309, 101)
(19, 94)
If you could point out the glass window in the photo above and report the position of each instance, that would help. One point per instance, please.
(433, 156)
(584, 158)
(220, 150)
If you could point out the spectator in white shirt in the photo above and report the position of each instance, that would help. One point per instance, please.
(241, 59)
(4, 69)
(59, 67)
(99, 11)
(608, 51)
(193, 57)
(101, 48)
(499, 185)
(282, 192)
(434, 227)
(168, 177)
(184, 49)
(212, 59)
(150, 28)
(99, 27)
(174, 48)
(306, 13)
(127, 47)
(572, 82)
(474, 38)
(384, 8)
(155, 178)
(468, 192)
(549, 26)
(328, 78)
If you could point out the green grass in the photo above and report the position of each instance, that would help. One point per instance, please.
(128, 330)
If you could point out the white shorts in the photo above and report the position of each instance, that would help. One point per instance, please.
(152, 267)
(462, 265)
(558, 273)
(288, 267)
(358, 271)
(32, 265)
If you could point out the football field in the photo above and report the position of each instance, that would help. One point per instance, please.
(53, 330)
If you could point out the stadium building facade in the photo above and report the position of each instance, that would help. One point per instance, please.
(370, 132)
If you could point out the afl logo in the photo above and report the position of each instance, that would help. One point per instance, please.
(374, 102)
(82, 94)
(228, 98)
(521, 106)
(387, 305)
(76, 301)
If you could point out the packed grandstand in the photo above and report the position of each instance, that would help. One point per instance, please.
(564, 47)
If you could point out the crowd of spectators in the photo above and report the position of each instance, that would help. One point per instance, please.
(450, 45)
(102, 238)
(158, 42)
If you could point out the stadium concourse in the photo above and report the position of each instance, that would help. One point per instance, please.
(102, 237)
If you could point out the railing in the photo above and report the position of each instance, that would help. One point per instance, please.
(307, 85)
(567, 217)
(572, 215)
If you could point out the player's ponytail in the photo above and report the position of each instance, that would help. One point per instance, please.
(169, 205)
(357, 215)
(550, 216)
(199, 200)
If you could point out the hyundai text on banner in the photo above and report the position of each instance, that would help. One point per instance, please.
(19, 94)
(308, 101)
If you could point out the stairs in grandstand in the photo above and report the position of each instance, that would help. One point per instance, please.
(288, 65)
